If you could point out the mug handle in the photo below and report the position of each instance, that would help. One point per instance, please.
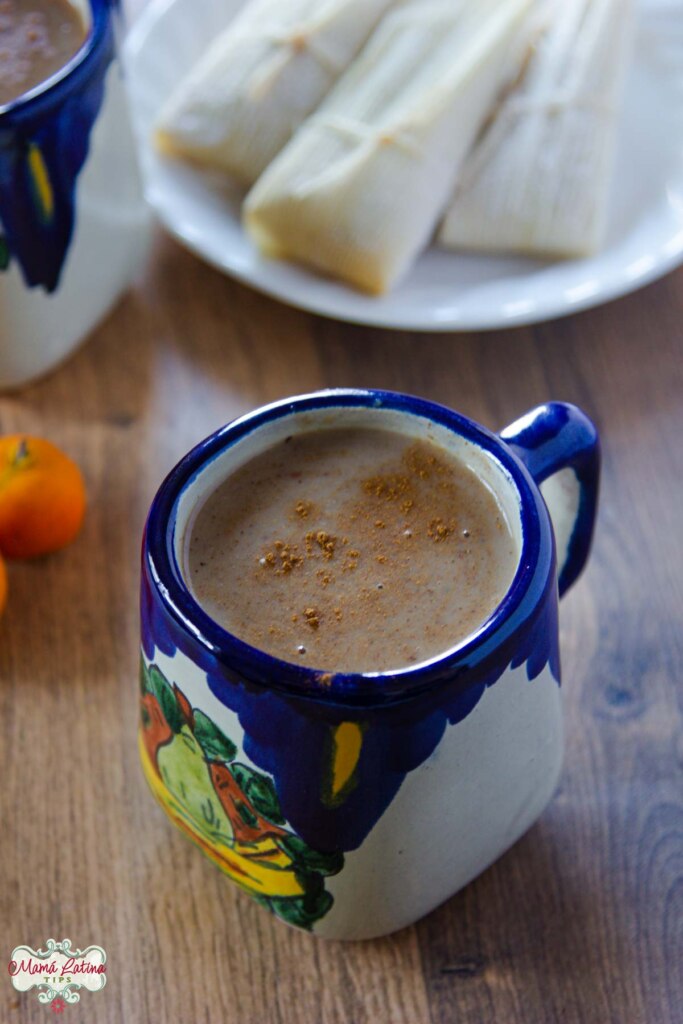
(559, 446)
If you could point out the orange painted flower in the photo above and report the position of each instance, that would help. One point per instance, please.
(156, 731)
(42, 497)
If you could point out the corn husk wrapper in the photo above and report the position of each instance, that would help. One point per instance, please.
(261, 78)
(538, 180)
(359, 189)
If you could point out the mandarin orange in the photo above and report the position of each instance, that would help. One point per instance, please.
(42, 497)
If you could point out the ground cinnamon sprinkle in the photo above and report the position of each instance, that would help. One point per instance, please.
(397, 489)
(389, 488)
(326, 543)
(422, 464)
(312, 618)
(303, 509)
(288, 558)
(438, 530)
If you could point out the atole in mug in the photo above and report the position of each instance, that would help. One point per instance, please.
(351, 805)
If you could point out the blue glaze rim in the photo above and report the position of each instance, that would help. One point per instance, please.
(69, 78)
(535, 572)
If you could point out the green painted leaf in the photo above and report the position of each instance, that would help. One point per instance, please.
(302, 911)
(260, 791)
(245, 814)
(309, 860)
(144, 677)
(216, 746)
(163, 691)
(4, 253)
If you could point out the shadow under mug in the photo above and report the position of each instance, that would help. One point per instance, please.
(353, 804)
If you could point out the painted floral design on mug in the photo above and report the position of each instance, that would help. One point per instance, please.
(231, 811)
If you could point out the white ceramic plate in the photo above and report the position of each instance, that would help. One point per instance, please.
(444, 291)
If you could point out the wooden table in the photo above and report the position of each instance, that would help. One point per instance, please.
(582, 922)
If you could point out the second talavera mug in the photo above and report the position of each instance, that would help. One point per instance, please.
(73, 221)
(351, 805)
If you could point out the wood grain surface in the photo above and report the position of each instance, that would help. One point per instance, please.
(582, 921)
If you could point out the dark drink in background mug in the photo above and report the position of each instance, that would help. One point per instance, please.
(352, 802)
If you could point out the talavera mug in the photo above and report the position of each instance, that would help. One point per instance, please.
(73, 220)
(351, 805)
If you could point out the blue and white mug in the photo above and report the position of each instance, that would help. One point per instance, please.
(73, 221)
(353, 804)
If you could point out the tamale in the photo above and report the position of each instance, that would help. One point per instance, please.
(359, 189)
(537, 181)
(260, 78)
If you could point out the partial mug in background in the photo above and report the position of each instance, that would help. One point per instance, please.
(73, 223)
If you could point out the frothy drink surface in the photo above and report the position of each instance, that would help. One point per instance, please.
(351, 550)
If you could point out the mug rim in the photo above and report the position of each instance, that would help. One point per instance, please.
(534, 568)
(29, 102)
